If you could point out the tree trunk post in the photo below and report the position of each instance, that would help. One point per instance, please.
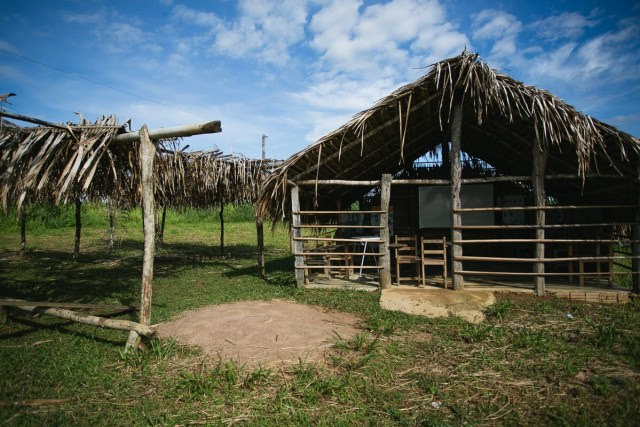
(162, 222)
(222, 228)
(147, 156)
(456, 217)
(76, 246)
(298, 247)
(385, 258)
(111, 225)
(539, 155)
(23, 228)
(260, 233)
(635, 249)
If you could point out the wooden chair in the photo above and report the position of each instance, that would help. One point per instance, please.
(406, 251)
(434, 252)
(341, 257)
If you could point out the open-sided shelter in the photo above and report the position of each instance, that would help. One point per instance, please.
(523, 185)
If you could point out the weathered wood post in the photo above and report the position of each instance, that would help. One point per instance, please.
(635, 248)
(23, 228)
(76, 245)
(163, 219)
(385, 258)
(222, 228)
(298, 247)
(456, 217)
(147, 156)
(260, 233)
(539, 155)
(111, 224)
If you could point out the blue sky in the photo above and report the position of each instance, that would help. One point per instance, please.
(296, 70)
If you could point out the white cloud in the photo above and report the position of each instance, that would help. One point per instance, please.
(625, 118)
(264, 29)
(367, 51)
(609, 54)
(5, 45)
(377, 38)
(494, 24)
(9, 72)
(86, 18)
(500, 27)
(568, 25)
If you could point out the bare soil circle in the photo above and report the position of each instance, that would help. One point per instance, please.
(261, 333)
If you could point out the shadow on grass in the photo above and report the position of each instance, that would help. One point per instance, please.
(114, 277)
(56, 325)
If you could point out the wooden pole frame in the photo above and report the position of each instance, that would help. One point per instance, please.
(385, 259)
(296, 234)
(23, 228)
(147, 156)
(456, 177)
(540, 155)
(76, 243)
(222, 228)
(635, 248)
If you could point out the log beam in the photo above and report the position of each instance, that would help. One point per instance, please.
(103, 322)
(173, 132)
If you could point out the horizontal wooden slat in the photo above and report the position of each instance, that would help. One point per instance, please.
(514, 227)
(565, 259)
(338, 267)
(335, 212)
(535, 208)
(462, 242)
(526, 273)
(331, 239)
(338, 253)
(336, 226)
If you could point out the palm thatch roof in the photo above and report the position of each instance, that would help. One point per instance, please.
(54, 164)
(502, 118)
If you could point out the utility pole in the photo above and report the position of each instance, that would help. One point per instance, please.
(264, 144)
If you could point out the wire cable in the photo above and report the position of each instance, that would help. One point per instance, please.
(76, 76)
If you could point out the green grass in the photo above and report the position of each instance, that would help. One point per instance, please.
(529, 363)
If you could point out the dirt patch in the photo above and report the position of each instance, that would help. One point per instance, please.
(434, 302)
(261, 333)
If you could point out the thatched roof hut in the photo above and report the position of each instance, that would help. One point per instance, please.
(502, 118)
(57, 163)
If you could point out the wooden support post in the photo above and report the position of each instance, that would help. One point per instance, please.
(539, 155)
(297, 232)
(221, 228)
(260, 234)
(23, 229)
(147, 155)
(111, 224)
(456, 177)
(76, 245)
(635, 249)
(162, 222)
(385, 258)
